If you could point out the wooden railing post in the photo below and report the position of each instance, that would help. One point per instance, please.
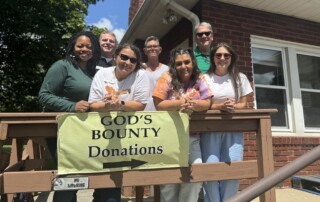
(19, 127)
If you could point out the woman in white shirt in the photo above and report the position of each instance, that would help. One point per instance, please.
(123, 87)
(230, 89)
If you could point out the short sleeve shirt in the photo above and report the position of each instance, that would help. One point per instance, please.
(203, 60)
(223, 88)
(134, 87)
(199, 90)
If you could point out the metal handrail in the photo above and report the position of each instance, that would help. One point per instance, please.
(277, 176)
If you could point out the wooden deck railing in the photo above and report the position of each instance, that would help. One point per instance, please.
(26, 133)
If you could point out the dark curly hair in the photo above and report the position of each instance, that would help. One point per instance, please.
(96, 51)
(175, 82)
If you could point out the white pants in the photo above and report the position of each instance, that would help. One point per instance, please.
(187, 192)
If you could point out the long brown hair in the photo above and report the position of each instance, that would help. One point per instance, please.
(175, 82)
(232, 69)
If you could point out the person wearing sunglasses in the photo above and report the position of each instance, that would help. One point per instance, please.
(123, 87)
(183, 89)
(203, 39)
(66, 86)
(153, 66)
(230, 88)
(108, 43)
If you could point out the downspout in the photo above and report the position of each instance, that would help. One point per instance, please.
(185, 13)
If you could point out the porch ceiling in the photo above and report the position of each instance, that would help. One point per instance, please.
(304, 9)
(148, 20)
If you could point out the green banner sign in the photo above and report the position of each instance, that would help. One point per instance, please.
(105, 142)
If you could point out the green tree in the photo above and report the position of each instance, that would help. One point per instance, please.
(96, 30)
(33, 34)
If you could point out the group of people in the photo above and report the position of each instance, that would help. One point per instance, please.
(100, 75)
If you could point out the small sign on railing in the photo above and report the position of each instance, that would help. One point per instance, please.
(70, 183)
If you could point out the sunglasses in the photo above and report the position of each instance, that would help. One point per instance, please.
(225, 55)
(200, 34)
(124, 57)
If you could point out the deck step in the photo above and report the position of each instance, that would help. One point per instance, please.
(308, 183)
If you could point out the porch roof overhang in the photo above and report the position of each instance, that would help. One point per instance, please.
(148, 19)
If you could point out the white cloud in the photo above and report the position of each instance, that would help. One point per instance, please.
(119, 33)
(106, 23)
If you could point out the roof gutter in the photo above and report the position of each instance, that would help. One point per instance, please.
(185, 13)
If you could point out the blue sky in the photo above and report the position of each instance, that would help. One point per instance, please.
(110, 14)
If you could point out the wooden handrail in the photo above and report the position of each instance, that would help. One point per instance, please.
(27, 126)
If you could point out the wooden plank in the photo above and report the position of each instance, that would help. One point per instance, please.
(237, 114)
(32, 181)
(200, 116)
(26, 117)
(223, 125)
(27, 165)
(32, 130)
(29, 115)
(16, 150)
(265, 156)
(23, 121)
(3, 131)
(27, 181)
(1, 183)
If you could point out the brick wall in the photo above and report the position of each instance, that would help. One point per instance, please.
(285, 150)
(134, 7)
(234, 24)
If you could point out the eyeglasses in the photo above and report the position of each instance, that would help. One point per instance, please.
(124, 57)
(200, 34)
(225, 55)
(153, 46)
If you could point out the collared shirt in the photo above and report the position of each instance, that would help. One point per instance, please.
(203, 60)
(104, 62)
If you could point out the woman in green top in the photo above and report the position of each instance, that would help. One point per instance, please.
(66, 86)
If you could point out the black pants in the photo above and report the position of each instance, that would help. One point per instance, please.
(59, 196)
(108, 194)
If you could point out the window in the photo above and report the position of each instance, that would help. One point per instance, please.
(309, 77)
(287, 77)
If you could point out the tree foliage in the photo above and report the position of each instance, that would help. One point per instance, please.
(33, 34)
(96, 30)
